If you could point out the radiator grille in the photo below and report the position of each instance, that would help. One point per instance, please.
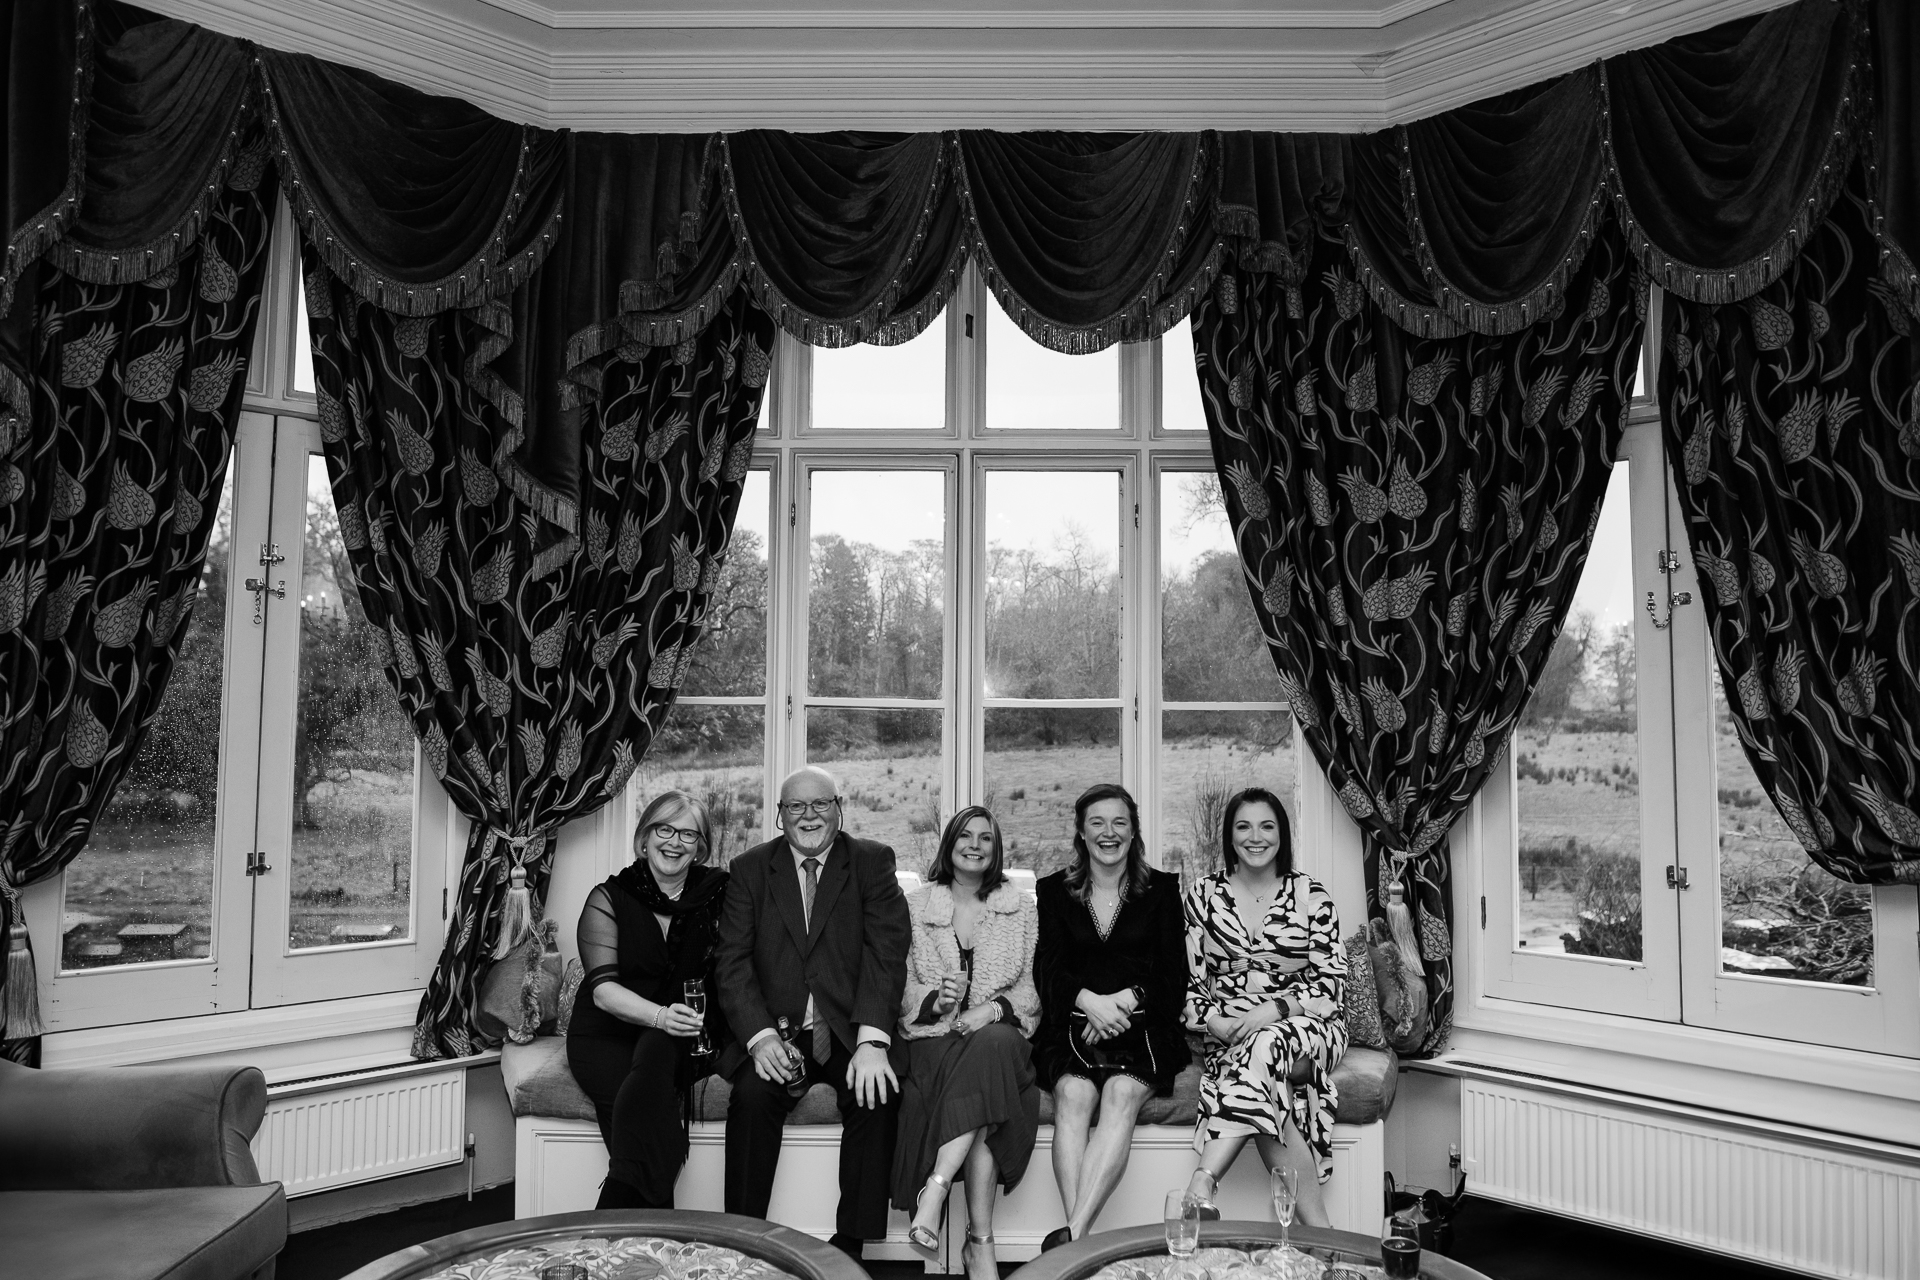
(362, 1130)
(1778, 1201)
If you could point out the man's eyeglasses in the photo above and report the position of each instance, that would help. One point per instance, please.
(797, 809)
(667, 833)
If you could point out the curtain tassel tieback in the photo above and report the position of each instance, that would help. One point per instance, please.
(517, 913)
(1400, 919)
(22, 994)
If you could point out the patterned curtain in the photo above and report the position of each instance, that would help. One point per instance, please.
(107, 501)
(535, 680)
(1793, 423)
(1413, 515)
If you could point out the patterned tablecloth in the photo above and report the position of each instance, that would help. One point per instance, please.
(619, 1258)
(1243, 1264)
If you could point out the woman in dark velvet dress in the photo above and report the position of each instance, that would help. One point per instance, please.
(643, 935)
(1111, 967)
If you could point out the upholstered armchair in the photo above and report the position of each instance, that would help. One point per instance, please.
(135, 1173)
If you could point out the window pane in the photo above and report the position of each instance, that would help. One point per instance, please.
(1211, 649)
(302, 345)
(868, 388)
(718, 756)
(1206, 756)
(731, 657)
(1052, 585)
(888, 763)
(877, 584)
(352, 859)
(1781, 914)
(1030, 388)
(1577, 765)
(1180, 407)
(143, 888)
(1038, 761)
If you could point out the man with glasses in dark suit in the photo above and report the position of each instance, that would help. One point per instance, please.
(815, 931)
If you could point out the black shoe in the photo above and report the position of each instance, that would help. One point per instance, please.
(852, 1246)
(1056, 1238)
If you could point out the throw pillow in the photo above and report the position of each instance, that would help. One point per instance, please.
(1363, 997)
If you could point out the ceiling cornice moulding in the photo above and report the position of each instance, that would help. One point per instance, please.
(617, 15)
(1350, 78)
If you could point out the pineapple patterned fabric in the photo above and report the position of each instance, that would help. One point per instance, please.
(1793, 423)
(106, 506)
(536, 680)
(1412, 516)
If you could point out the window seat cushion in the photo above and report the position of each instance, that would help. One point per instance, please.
(539, 1083)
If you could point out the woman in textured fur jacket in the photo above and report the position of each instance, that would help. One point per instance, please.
(968, 1097)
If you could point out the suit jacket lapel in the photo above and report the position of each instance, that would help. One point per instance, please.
(833, 877)
(785, 887)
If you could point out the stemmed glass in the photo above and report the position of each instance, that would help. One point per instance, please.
(1182, 1223)
(694, 994)
(1282, 1184)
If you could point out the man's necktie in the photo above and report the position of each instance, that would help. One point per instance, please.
(822, 1038)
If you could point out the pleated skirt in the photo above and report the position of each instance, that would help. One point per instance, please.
(955, 1084)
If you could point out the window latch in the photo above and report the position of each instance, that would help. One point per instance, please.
(261, 591)
(270, 553)
(1676, 877)
(257, 863)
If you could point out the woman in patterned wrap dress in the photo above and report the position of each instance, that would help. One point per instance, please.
(1268, 981)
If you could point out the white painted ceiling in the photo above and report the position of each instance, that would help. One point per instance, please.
(683, 65)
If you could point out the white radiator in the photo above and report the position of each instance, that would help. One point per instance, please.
(1798, 1199)
(322, 1134)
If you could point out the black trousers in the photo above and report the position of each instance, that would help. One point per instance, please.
(756, 1116)
(631, 1086)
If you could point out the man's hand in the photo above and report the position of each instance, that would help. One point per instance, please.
(870, 1075)
(681, 1021)
(773, 1062)
(978, 1018)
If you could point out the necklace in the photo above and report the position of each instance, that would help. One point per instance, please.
(1119, 899)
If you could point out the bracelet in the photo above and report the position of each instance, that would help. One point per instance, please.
(659, 1012)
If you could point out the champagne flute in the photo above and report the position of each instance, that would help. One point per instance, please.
(1282, 1186)
(1182, 1223)
(693, 993)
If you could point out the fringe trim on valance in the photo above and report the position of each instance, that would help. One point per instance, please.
(485, 276)
(1239, 228)
(1547, 299)
(1720, 285)
(1157, 310)
(1420, 320)
(239, 167)
(45, 229)
(877, 323)
(496, 318)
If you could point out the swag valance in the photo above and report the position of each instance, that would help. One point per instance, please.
(1714, 153)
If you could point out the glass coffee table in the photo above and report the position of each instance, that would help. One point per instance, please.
(1228, 1251)
(625, 1244)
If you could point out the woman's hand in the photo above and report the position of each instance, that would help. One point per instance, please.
(678, 1020)
(1224, 1029)
(1266, 1015)
(978, 1018)
(947, 999)
(1105, 1017)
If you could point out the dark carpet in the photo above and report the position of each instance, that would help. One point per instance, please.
(1500, 1242)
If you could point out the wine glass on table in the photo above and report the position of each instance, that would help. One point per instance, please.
(1283, 1188)
(1400, 1248)
(1183, 1223)
(693, 994)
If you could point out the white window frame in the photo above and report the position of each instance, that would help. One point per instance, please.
(793, 447)
(249, 968)
(1680, 982)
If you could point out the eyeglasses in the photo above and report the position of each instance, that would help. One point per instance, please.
(802, 808)
(667, 833)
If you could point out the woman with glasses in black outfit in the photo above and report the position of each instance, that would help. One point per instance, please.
(1111, 966)
(643, 935)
